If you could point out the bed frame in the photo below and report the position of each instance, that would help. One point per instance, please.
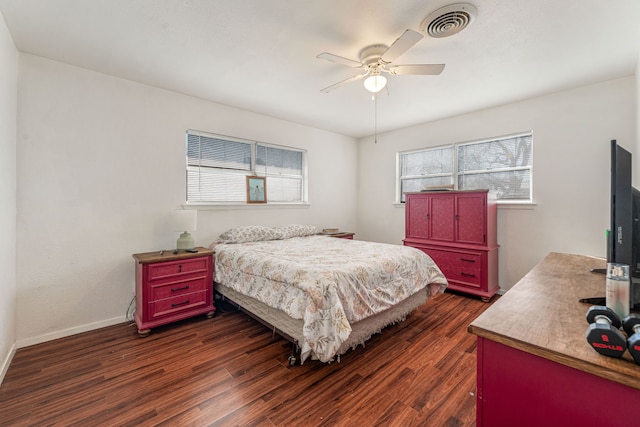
(291, 329)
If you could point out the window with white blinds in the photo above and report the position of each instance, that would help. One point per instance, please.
(424, 169)
(284, 171)
(502, 165)
(217, 167)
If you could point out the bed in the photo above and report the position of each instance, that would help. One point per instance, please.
(327, 295)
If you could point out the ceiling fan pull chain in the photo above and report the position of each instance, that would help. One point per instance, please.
(375, 118)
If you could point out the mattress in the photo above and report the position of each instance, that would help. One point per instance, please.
(329, 284)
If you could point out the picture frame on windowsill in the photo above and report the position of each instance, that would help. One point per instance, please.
(256, 189)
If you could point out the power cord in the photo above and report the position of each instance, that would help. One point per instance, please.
(131, 310)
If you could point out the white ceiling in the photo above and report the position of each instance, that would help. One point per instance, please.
(260, 55)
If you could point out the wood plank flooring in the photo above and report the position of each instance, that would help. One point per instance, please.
(231, 371)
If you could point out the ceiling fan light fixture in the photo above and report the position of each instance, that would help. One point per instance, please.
(379, 58)
(375, 83)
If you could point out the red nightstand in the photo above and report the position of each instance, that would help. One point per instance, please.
(171, 287)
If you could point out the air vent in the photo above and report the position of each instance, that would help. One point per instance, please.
(449, 20)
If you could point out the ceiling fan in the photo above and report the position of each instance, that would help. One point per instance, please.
(378, 59)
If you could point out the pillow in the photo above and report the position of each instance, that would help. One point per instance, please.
(296, 230)
(248, 233)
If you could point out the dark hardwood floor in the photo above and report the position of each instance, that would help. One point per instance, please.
(230, 370)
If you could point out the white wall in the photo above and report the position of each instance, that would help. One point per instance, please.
(571, 133)
(101, 168)
(8, 112)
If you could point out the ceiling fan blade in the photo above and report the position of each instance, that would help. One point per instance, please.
(339, 59)
(419, 69)
(343, 82)
(401, 45)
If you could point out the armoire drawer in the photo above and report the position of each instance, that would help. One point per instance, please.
(465, 267)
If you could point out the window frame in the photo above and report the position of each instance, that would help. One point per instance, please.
(456, 173)
(252, 171)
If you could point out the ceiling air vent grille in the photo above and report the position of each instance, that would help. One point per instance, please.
(449, 20)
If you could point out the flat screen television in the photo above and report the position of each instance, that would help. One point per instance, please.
(624, 233)
(620, 245)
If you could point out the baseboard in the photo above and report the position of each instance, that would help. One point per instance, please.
(7, 362)
(71, 331)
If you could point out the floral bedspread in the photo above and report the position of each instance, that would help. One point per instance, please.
(328, 282)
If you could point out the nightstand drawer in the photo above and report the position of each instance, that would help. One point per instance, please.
(168, 290)
(176, 304)
(177, 268)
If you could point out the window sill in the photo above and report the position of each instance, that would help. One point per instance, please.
(517, 205)
(243, 206)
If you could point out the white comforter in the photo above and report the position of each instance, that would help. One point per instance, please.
(327, 282)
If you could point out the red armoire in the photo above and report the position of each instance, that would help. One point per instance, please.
(457, 229)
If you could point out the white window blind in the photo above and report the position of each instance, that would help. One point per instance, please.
(217, 167)
(426, 169)
(501, 164)
(284, 170)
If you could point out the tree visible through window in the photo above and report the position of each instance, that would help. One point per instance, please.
(502, 165)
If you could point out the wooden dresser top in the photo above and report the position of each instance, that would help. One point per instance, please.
(169, 255)
(541, 315)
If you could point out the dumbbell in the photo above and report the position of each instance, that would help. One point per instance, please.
(603, 333)
(631, 325)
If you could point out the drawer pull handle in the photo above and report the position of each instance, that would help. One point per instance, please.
(180, 268)
(467, 260)
(179, 289)
(467, 275)
(180, 303)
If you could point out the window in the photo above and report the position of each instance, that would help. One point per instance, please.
(217, 167)
(283, 169)
(502, 165)
(426, 169)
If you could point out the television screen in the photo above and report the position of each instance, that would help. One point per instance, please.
(622, 214)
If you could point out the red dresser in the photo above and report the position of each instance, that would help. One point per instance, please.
(458, 230)
(535, 366)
